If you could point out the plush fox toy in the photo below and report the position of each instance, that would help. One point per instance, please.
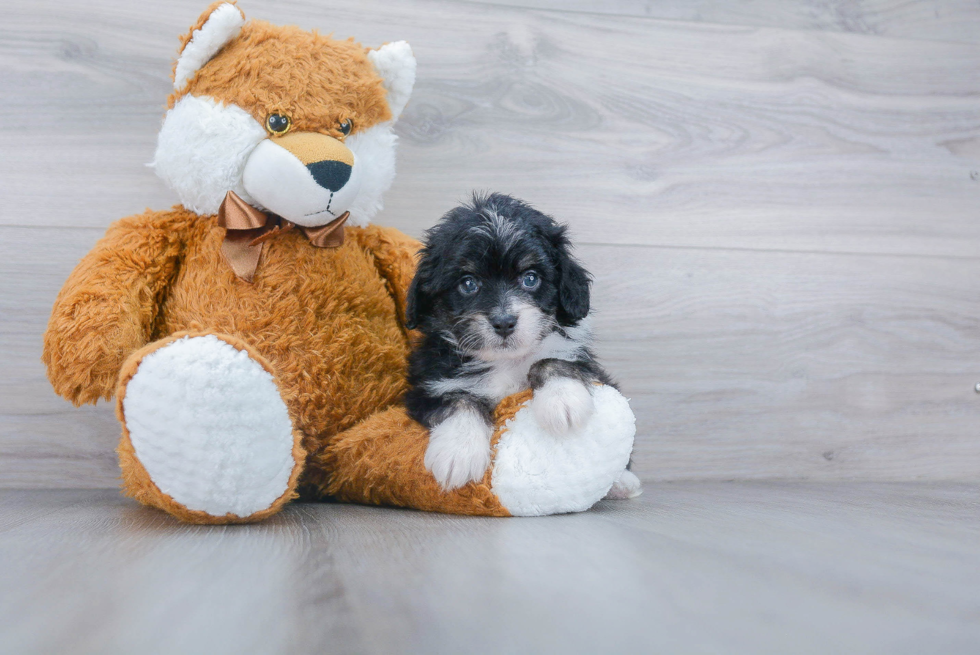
(253, 336)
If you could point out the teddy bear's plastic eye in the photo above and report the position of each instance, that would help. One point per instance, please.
(278, 124)
(345, 127)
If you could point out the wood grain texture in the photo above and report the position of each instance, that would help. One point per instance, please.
(673, 133)
(687, 567)
(782, 222)
(948, 20)
(739, 364)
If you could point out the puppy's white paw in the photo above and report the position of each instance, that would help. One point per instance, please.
(459, 449)
(626, 487)
(562, 405)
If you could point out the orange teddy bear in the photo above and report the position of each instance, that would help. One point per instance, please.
(254, 337)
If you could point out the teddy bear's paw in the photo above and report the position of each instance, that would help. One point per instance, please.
(562, 405)
(458, 450)
(626, 487)
(536, 472)
(207, 423)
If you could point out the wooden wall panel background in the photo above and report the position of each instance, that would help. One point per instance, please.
(779, 202)
(944, 20)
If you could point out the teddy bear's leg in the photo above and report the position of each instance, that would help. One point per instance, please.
(206, 435)
(533, 472)
(536, 472)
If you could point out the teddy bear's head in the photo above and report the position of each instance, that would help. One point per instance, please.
(293, 122)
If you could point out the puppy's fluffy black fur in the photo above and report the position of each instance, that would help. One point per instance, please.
(501, 303)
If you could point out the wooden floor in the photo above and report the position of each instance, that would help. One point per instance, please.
(779, 201)
(695, 567)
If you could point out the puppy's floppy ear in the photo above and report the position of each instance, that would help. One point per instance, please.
(419, 301)
(573, 292)
(573, 281)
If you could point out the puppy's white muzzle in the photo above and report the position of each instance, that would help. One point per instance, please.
(305, 177)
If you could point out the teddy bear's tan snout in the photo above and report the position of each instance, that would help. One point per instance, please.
(306, 177)
(328, 160)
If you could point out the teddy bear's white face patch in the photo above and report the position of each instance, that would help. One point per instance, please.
(207, 148)
(374, 149)
(202, 150)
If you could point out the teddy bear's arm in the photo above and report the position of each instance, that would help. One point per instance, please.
(108, 306)
(394, 255)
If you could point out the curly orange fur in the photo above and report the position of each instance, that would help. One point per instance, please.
(315, 80)
(366, 465)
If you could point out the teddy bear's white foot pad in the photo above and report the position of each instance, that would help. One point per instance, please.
(209, 426)
(536, 472)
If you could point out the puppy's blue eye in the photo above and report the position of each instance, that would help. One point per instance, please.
(468, 285)
(530, 280)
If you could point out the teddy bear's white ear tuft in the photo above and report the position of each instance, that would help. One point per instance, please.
(395, 63)
(222, 25)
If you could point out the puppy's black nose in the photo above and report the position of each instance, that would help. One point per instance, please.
(503, 324)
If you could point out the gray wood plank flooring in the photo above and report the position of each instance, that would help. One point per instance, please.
(637, 131)
(948, 20)
(778, 200)
(738, 364)
(694, 567)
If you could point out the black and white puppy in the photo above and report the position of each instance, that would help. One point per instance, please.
(503, 306)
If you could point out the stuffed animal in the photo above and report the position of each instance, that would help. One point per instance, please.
(254, 335)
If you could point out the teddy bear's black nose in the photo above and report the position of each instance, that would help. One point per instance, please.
(330, 174)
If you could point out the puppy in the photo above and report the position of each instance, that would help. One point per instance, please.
(502, 306)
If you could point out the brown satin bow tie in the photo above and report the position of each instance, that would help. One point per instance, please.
(247, 229)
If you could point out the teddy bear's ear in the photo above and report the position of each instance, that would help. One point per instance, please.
(219, 24)
(395, 63)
